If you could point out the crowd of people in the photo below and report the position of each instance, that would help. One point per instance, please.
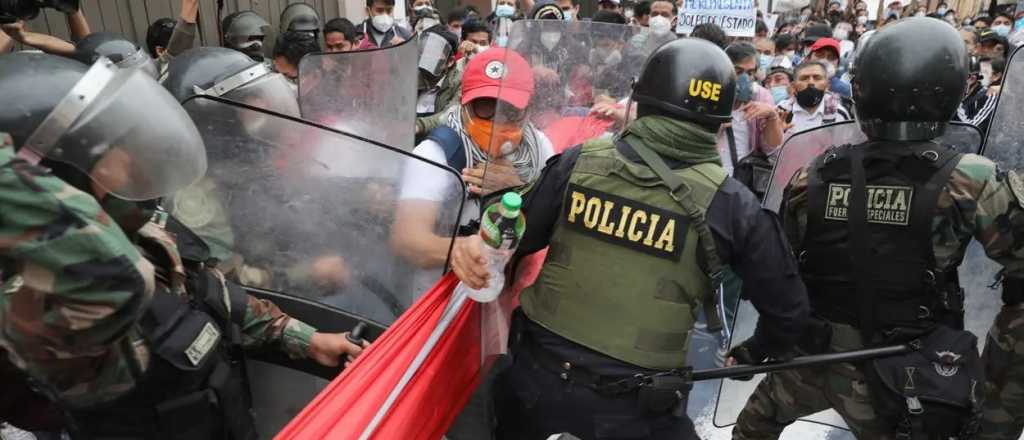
(582, 113)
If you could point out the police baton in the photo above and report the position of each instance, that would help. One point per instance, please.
(800, 362)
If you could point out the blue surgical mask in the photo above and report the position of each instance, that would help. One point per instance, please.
(1019, 24)
(502, 41)
(764, 62)
(504, 11)
(568, 15)
(744, 88)
(780, 93)
(1003, 30)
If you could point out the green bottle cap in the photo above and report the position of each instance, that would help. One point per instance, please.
(512, 202)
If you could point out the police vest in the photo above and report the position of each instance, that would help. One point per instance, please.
(903, 185)
(622, 274)
(194, 385)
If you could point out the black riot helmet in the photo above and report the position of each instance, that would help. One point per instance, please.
(546, 10)
(217, 71)
(122, 51)
(300, 17)
(245, 31)
(115, 126)
(690, 79)
(909, 79)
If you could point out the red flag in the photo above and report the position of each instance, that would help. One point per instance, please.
(356, 404)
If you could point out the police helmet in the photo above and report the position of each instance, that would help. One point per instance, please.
(300, 17)
(909, 79)
(691, 79)
(546, 10)
(98, 120)
(122, 51)
(245, 31)
(221, 72)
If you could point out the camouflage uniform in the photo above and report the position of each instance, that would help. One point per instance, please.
(977, 202)
(73, 286)
(1003, 416)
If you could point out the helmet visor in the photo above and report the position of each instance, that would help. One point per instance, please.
(271, 91)
(434, 52)
(126, 132)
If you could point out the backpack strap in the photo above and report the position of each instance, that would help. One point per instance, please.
(451, 143)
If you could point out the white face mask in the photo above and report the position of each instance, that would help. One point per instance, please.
(660, 25)
(863, 19)
(831, 68)
(420, 8)
(504, 11)
(941, 11)
(841, 34)
(569, 15)
(550, 39)
(628, 13)
(383, 23)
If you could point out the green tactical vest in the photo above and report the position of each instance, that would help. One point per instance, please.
(622, 274)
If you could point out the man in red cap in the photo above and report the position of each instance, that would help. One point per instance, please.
(827, 50)
(488, 129)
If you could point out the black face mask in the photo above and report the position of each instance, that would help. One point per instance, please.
(810, 97)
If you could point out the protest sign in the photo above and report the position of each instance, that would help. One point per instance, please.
(736, 17)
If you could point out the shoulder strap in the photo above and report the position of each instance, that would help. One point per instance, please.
(451, 143)
(731, 137)
(681, 193)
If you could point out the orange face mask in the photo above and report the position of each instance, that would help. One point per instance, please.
(496, 139)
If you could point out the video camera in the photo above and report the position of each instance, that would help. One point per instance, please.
(14, 10)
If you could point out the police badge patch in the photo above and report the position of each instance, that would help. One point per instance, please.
(946, 366)
(887, 205)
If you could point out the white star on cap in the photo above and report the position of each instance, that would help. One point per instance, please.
(495, 70)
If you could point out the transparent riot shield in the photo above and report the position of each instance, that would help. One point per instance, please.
(368, 93)
(295, 208)
(797, 152)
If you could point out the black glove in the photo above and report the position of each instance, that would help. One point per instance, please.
(747, 353)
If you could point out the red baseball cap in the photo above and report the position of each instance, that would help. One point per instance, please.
(498, 73)
(826, 43)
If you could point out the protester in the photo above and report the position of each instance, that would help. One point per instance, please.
(812, 103)
(778, 81)
(455, 19)
(785, 51)
(992, 45)
(710, 32)
(339, 35)
(1002, 24)
(167, 38)
(289, 49)
(827, 50)
(476, 37)
(379, 29)
(976, 107)
(970, 41)
(570, 9)
(981, 23)
(755, 125)
(478, 134)
(610, 6)
(765, 56)
(438, 85)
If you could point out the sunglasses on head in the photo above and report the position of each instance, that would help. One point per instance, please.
(489, 109)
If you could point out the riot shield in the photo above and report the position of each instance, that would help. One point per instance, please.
(587, 66)
(1006, 131)
(304, 211)
(368, 93)
(797, 152)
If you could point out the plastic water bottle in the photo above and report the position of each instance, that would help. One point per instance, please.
(501, 229)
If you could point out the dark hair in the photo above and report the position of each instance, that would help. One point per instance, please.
(986, 20)
(470, 9)
(457, 14)
(343, 26)
(159, 34)
(784, 40)
(643, 8)
(473, 25)
(807, 64)
(369, 3)
(998, 65)
(760, 27)
(608, 17)
(294, 45)
(739, 52)
(1003, 14)
(712, 33)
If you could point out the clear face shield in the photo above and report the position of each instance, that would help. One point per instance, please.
(125, 131)
(434, 51)
(140, 60)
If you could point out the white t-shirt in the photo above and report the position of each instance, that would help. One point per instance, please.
(806, 120)
(425, 182)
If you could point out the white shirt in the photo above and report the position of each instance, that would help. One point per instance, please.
(806, 120)
(741, 133)
(421, 181)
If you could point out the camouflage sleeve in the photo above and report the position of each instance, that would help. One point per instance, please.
(990, 204)
(794, 209)
(266, 325)
(77, 286)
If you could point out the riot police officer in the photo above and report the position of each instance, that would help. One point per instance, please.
(880, 229)
(126, 333)
(245, 31)
(123, 52)
(638, 228)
